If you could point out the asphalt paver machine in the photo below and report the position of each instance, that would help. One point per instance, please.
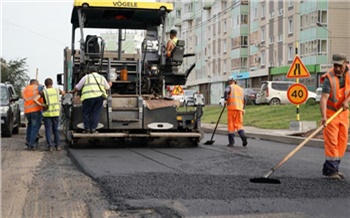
(137, 108)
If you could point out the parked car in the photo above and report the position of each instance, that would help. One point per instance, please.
(318, 94)
(180, 98)
(10, 111)
(249, 95)
(189, 97)
(275, 92)
(23, 116)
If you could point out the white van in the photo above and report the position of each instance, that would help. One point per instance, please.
(275, 92)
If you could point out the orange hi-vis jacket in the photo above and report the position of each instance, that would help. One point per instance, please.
(235, 100)
(337, 95)
(336, 132)
(29, 94)
(235, 105)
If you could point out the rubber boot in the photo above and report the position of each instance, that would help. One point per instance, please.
(231, 140)
(243, 137)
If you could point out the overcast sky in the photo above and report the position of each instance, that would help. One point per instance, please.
(38, 31)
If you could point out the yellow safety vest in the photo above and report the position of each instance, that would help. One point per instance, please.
(52, 101)
(174, 41)
(91, 88)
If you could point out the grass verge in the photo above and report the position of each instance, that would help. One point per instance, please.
(265, 116)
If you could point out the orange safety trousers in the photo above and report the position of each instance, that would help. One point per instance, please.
(336, 136)
(234, 120)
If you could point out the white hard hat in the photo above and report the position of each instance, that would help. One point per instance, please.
(232, 77)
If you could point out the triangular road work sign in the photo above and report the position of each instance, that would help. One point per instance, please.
(297, 69)
(177, 90)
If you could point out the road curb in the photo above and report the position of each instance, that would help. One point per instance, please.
(276, 138)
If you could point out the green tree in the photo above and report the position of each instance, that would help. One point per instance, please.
(15, 72)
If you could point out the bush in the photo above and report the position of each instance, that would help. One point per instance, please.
(311, 101)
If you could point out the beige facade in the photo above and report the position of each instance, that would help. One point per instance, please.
(339, 16)
(257, 40)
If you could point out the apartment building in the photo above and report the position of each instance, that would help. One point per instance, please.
(258, 40)
(131, 40)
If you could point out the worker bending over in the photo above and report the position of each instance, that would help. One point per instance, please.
(234, 99)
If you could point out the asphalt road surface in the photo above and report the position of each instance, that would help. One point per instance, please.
(213, 181)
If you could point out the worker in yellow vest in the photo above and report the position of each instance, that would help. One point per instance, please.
(51, 114)
(93, 86)
(171, 43)
(234, 99)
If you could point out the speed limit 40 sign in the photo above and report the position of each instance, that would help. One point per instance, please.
(297, 93)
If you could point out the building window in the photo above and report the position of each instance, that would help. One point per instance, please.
(263, 10)
(224, 46)
(280, 37)
(290, 26)
(271, 38)
(235, 21)
(244, 41)
(322, 46)
(209, 32)
(225, 25)
(232, 44)
(224, 67)
(214, 29)
(322, 17)
(244, 19)
(219, 27)
(280, 12)
(214, 47)
(254, 14)
(244, 2)
(189, 7)
(262, 59)
(290, 53)
(314, 47)
(224, 5)
(262, 36)
(290, 3)
(178, 13)
(244, 63)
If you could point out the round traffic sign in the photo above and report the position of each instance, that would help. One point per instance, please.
(297, 93)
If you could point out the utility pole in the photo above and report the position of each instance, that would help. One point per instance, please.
(36, 74)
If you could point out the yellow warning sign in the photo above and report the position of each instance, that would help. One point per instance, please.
(297, 69)
(297, 93)
(177, 90)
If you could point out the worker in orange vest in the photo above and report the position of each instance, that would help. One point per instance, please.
(234, 99)
(335, 95)
(32, 110)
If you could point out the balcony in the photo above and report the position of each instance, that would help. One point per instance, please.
(207, 5)
(177, 22)
(188, 16)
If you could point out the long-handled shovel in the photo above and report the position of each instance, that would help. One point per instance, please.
(210, 142)
(266, 179)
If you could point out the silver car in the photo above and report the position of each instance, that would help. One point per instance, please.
(318, 94)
